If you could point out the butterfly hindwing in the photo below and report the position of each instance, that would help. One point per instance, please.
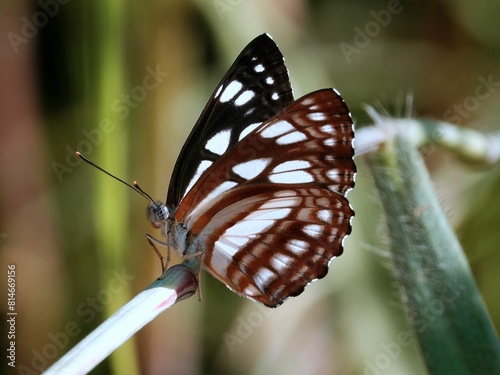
(283, 240)
(255, 88)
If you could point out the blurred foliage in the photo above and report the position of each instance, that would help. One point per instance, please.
(78, 70)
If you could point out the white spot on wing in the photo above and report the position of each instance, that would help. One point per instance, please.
(222, 255)
(199, 171)
(269, 80)
(281, 202)
(238, 241)
(281, 262)
(230, 91)
(298, 247)
(251, 291)
(275, 96)
(294, 177)
(218, 92)
(244, 97)
(327, 129)
(333, 174)
(226, 247)
(285, 193)
(219, 143)
(313, 230)
(290, 138)
(276, 129)
(292, 165)
(263, 277)
(329, 142)
(325, 215)
(269, 214)
(245, 230)
(259, 68)
(317, 116)
(250, 128)
(251, 169)
(248, 228)
(222, 188)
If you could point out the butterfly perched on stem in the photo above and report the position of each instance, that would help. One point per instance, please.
(258, 192)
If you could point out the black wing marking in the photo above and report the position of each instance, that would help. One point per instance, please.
(255, 88)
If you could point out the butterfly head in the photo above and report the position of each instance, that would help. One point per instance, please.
(157, 213)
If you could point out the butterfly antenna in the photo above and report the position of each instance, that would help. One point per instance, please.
(139, 189)
(135, 186)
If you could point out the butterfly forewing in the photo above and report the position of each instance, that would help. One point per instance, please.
(271, 212)
(255, 88)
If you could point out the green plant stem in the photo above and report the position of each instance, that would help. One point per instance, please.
(442, 301)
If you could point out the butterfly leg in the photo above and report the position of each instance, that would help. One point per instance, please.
(153, 242)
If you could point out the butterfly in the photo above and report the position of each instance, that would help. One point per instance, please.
(258, 192)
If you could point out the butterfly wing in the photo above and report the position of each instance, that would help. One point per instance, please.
(271, 213)
(255, 88)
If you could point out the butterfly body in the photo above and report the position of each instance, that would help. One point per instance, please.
(259, 190)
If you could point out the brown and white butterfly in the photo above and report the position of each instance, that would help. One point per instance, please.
(258, 192)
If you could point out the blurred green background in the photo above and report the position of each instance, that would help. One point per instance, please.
(124, 82)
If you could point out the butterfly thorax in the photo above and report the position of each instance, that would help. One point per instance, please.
(178, 235)
(181, 239)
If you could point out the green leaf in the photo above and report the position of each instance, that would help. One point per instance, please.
(441, 298)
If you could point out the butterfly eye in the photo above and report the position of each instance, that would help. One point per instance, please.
(157, 214)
